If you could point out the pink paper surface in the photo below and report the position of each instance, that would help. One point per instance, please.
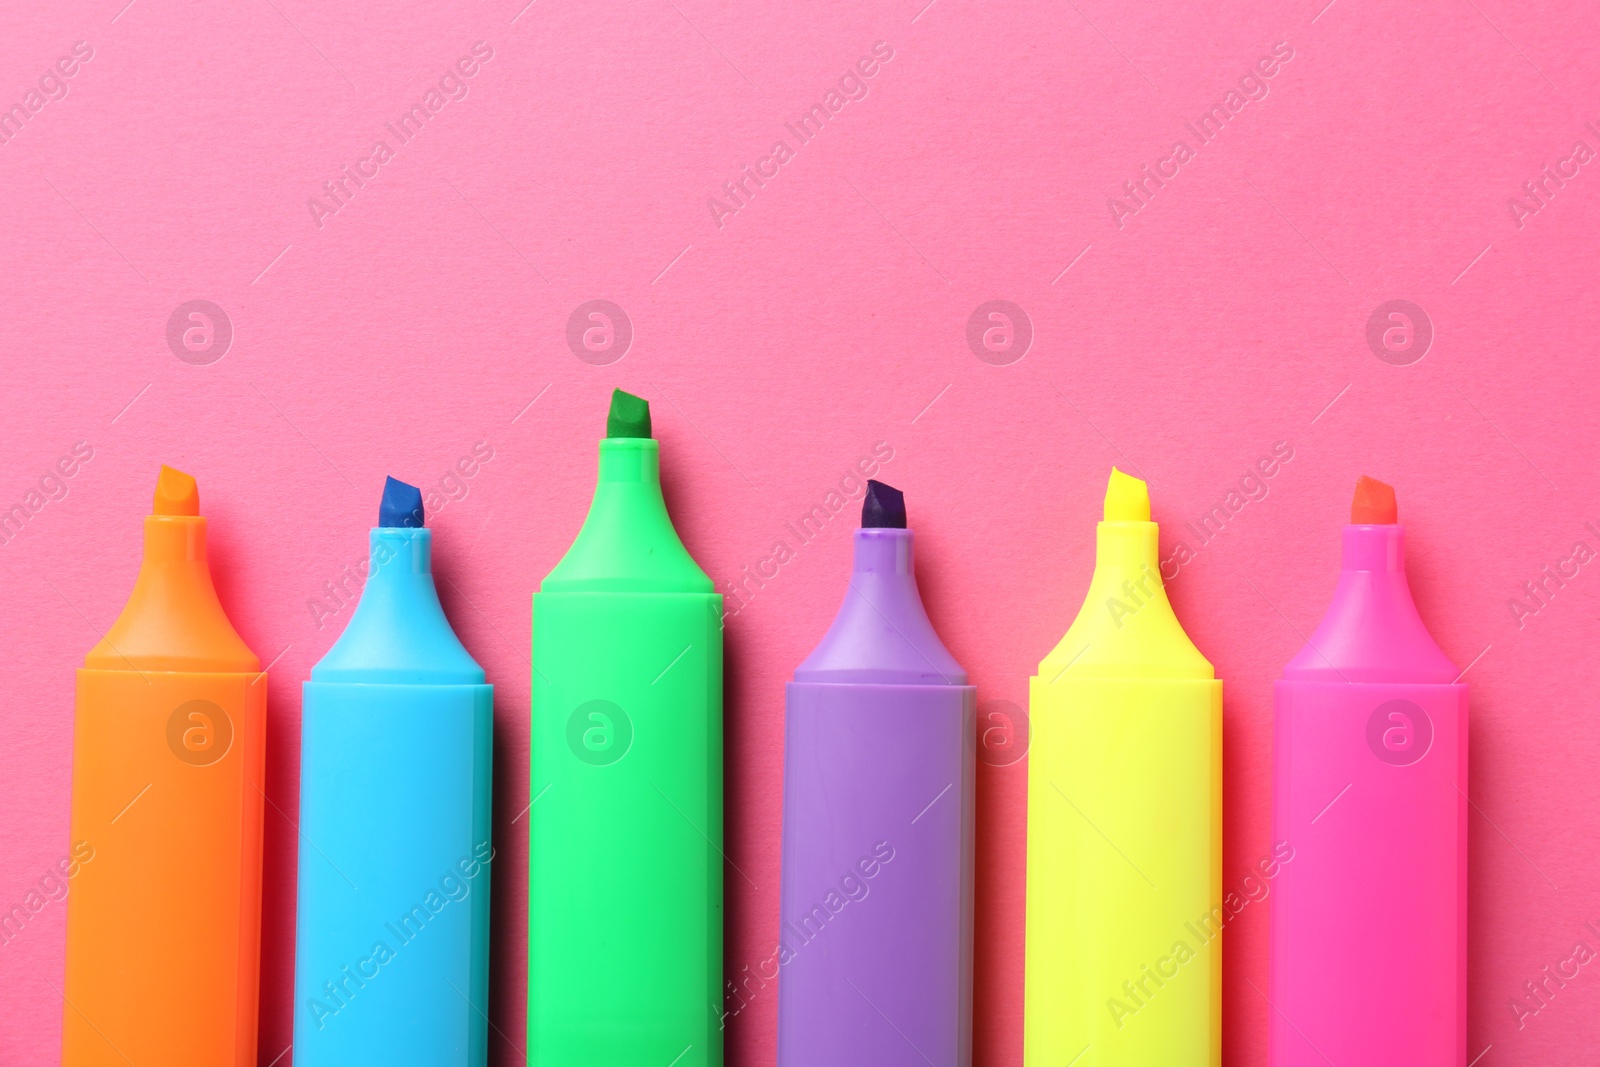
(1182, 330)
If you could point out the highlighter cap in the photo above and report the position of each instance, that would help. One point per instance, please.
(1126, 627)
(173, 620)
(882, 634)
(399, 632)
(1372, 631)
(627, 542)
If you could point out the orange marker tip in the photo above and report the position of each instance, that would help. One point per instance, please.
(176, 493)
(1374, 503)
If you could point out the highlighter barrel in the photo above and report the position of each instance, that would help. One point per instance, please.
(1369, 934)
(625, 823)
(875, 934)
(392, 938)
(169, 745)
(1124, 914)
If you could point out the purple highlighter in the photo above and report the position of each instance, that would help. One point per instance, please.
(876, 905)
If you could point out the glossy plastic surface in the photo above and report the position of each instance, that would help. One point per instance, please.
(169, 743)
(392, 930)
(874, 966)
(625, 823)
(1124, 961)
(1370, 791)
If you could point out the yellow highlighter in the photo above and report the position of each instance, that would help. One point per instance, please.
(1124, 957)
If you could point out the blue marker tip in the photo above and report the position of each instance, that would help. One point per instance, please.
(402, 504)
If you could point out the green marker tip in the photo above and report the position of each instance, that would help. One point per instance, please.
(629, 417)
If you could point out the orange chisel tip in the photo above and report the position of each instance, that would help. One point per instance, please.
(1374, 503)
(176, 493)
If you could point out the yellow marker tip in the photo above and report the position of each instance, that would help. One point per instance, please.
(1127, 499)
(176, 493)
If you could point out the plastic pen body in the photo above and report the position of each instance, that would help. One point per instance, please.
(1124, 916)
(875, 935)
(392, 938)
(1369, 931)
(169, 743)
(1124, 958)
(625, 822)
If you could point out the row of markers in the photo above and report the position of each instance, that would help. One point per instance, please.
(1126, 901)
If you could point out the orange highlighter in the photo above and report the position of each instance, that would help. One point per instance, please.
(169, 743)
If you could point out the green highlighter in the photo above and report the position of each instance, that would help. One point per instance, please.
(625, 829)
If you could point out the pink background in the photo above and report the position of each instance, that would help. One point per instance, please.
(827, 313)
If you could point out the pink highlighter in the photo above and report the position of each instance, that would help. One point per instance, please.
(1369, 913)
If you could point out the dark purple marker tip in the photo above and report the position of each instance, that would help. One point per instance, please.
(884, 508)
(402, 504)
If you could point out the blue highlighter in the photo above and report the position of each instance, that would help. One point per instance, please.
(392, 929)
